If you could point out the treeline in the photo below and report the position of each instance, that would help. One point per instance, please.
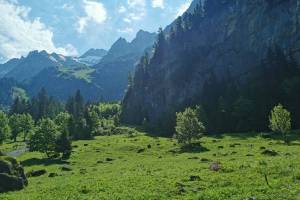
(49, 126)
(234, 105)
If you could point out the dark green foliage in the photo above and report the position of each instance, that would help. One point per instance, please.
(77, 123)
(63, 145)
(21, 124)
(44, 138)
(19, 106)
(159, 46)
(4, 127)
(44, 106)
(62, 121)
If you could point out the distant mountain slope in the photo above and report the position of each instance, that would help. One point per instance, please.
(8, 66)
(9, 89)
(113, 70)
(61, 75)
(61, 83)
(92, 56)
(221, 54)
(27, 67)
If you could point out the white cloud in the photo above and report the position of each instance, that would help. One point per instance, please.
(122, 9)
(127, 20)
(183, 7)
(136, 10)
(136, 16)
(127, 30)
(158, 4)
(136, 3)
(19, 34)
(67, 7)
(95, 12)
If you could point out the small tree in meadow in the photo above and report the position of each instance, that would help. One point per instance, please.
(44, 140)
(63, 143)
(4, 127)
(280, 121)
(188, 126)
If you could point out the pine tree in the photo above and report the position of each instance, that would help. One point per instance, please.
(159, 46)
(63, 145)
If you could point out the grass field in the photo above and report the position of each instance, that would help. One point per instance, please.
(80, 73)
(145, 167)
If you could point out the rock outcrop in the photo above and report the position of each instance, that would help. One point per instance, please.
(12, 175)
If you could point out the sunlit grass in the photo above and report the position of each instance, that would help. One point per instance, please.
(162, 170)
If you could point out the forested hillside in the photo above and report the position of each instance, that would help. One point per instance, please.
(236, 59)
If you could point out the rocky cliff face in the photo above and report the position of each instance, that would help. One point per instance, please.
(112, 72)
(220, 40)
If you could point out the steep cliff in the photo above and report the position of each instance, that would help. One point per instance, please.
(113, 70)
(218, 43)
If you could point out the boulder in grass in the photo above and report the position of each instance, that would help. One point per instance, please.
(215, 166)
(195, 178)
(269, 152)
(109, 159)
(140, 150)
(66, 168)
(10, 183)
(36, 173)
(5, 167)
(12, 176)
(52, 174)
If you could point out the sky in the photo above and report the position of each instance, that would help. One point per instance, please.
(71, 27)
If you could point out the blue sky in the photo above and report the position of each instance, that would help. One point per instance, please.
(71, 27)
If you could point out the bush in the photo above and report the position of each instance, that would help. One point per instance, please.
(188, 126)
(280, 121)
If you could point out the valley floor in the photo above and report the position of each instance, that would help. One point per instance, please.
(145, 167)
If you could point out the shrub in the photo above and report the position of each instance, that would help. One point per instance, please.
(188, 126)
(280, 121)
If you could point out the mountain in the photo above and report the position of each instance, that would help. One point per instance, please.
(26, 68)
(92, 56)
(62, 75)
(235, 58)
(9, 89)
(8, 66)
(63, 82)
(112, 72)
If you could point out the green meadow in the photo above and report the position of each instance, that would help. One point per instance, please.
(229, 166)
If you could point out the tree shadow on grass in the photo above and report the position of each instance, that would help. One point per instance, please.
(190, 148)
(42, 161)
